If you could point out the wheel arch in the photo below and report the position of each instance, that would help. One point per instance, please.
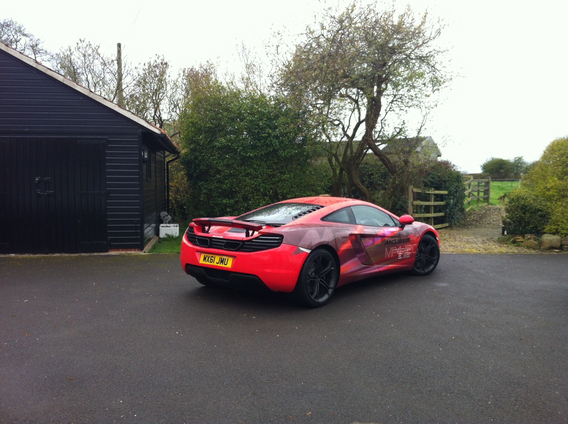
(333, 252)
(431, 233)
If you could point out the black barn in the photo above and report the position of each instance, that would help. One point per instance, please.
(77, 172)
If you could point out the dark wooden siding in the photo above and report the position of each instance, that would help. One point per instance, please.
(32, 104)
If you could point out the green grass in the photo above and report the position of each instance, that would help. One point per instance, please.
(500, 188)
(170, 244)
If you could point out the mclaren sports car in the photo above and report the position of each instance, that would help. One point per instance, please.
(307, 247)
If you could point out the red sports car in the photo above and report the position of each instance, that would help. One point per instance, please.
(307, 247)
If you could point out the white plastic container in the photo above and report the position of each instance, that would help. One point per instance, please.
(169, 230)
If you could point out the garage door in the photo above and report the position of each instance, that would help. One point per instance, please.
(52, 195)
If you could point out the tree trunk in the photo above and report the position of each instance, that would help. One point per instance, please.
(356, 181)
(382, 157)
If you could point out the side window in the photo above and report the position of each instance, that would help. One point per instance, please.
(366, 215)
(343, 216)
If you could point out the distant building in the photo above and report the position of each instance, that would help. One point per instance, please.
(425, 147)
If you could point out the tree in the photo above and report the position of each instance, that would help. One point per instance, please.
(357, 74)
(150, 93)
(520, 167)
(498, 169)
(502, 169)
(244, 150)
(16, 36)
(86, 65)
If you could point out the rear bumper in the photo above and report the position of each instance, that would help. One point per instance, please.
(277, 269)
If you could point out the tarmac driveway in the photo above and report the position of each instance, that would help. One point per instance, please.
(132, 339)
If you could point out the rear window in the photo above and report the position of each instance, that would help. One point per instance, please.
(280, 213)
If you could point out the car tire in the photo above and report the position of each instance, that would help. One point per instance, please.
(427, 256)
(318, 279)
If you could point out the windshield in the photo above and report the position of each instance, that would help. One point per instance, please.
(280, 213)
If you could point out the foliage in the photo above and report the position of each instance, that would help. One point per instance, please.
(243, 150)
(179, 191)
(503, 169)
(558, 223)
(548, 179)
(549, 176)
(499, 169)
(391, 191)
(526, 212)
(17, 37)
(520, 167)
(150, 91)
(443, 175)
(354, 75)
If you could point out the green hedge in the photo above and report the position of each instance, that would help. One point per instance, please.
(526, 212)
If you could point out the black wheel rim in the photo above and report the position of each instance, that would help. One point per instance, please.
(427, 256)
(321, 278)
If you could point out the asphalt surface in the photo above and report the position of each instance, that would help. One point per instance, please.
(132, 339)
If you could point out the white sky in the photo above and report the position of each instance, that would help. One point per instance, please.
(511, 56)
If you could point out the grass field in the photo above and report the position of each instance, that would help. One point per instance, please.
(499, 188)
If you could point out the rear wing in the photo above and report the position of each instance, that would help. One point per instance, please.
(207, 223)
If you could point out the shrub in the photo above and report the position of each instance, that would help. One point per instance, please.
(558, 223)
(549, 176)
(542, 204)
(442, 175)
(242, 151)
(391, 192)
(526, 212)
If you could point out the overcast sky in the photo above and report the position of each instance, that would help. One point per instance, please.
(509, 98)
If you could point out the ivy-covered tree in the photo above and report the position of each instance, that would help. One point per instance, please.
(244, 150)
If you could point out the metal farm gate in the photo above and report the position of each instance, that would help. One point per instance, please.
(53, 195)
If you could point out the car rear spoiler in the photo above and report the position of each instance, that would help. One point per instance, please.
(207, 223)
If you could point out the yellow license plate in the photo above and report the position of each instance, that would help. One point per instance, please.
(224, 261)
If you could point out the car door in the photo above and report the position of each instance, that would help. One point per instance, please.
(386, 243)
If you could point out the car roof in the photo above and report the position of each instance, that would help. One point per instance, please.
(320, 200)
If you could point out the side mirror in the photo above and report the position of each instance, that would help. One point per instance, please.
(405, 220)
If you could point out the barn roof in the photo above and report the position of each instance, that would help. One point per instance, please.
(160, 134)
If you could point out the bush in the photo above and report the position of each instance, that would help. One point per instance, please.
(549, 176)
(391, 192)
(442, 175)
(558, 223)
(542, 203)
(242, 151)
(526, 212)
